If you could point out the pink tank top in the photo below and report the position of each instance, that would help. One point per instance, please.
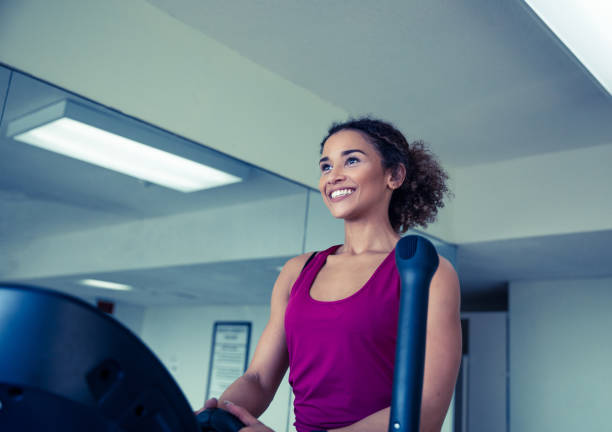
(341, 353)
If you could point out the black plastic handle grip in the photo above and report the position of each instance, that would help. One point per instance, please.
(417, 261)
(218, 420)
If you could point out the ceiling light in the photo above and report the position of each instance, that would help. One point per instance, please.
(105, 284)
(584, 27)
(89, 135)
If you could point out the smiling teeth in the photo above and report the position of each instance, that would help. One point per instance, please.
(341, 192)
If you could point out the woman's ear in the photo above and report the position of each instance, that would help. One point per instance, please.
(397, 177)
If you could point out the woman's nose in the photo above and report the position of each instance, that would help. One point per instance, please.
(336, 175)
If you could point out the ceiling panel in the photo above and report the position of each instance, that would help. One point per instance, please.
(481, 81)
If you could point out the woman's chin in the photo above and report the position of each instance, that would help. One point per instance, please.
(339, 211)
(337, 215)
(347, 216)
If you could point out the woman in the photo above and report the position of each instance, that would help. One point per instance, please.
(333, 318)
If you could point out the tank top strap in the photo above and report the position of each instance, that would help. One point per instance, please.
(311, 269)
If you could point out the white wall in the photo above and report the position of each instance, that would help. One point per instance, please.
(487, 368)
(560, 355)
(178, 239)
(181, 337)
(555, 193)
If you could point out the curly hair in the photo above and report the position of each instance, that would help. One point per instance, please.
(417, 200)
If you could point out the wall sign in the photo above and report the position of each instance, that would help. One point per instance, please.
(228, 355)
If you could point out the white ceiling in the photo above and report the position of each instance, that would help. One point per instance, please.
(480, 80)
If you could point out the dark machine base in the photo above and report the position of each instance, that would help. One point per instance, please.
(67, 366)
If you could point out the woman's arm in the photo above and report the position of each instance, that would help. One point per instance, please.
(255, 389)
(442, 356)
(443, 346)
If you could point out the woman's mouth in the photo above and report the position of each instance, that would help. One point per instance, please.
(340, 194)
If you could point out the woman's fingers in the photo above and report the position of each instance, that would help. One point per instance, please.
(210, 403)
(250, 422)
(240, 412)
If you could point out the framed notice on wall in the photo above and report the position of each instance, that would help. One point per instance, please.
(228, 355)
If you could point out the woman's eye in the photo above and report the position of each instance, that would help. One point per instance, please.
(325, 167)
(352, 161)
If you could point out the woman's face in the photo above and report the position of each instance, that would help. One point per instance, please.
(353, 182)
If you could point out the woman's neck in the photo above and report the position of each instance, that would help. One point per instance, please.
(374, 236)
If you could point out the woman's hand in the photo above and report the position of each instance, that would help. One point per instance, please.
(210, 403)
(251, 424)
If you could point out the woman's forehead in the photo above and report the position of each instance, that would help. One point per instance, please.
(346, 140)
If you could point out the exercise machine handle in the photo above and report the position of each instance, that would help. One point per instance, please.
(217, 420)
(417, 261)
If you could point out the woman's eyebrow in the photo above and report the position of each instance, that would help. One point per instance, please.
(344, 153)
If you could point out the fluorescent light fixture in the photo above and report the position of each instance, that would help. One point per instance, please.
(79, 132)
(585, 27)
(105, 284)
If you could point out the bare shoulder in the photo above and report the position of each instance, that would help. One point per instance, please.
(290, 272)
(446, 272)
(295, 264)
(444, 288)
(293, 267)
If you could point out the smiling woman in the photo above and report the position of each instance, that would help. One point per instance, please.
(417, 200)
(334, 314)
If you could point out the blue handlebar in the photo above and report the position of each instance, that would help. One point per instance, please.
(417, 261)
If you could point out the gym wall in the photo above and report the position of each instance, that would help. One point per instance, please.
(560, 351)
